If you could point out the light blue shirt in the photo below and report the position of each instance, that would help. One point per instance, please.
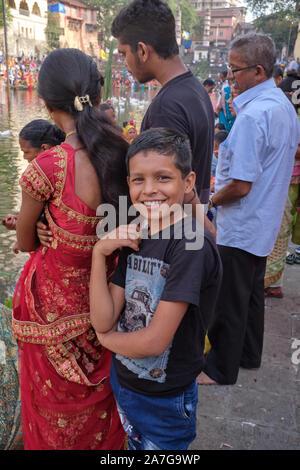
(260, 148)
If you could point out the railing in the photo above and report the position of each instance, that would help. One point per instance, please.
(90, 27)
(24, 12)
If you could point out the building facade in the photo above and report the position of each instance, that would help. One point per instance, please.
(223, 23)
(202, 5)
(220, 27)
(26, 32)
(78, 23)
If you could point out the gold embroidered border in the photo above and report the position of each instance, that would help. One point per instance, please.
(81, 218)
(28, 182)
(67, 367)
(58, 332)
(81, 242)
(61, 175)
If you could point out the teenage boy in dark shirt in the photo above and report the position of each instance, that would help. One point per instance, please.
(161, 297)
(145, 30)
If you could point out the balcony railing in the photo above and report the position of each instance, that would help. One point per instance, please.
(24, 12)
(90, 27)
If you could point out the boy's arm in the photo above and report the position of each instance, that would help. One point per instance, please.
(107, 302)
(152, 340)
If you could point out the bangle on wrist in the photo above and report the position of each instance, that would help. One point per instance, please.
(211, 202)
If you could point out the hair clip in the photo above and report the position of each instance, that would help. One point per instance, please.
(79, 101)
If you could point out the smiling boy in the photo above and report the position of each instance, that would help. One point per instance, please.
(161, 297)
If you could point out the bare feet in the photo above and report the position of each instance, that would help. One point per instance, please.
(203, 379)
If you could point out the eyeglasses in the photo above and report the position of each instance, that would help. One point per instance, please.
(242, 68)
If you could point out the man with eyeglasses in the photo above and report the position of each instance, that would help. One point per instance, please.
(253, 174)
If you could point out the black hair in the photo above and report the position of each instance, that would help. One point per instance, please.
(40, 131)
(221, 136)
(208, 82)
(220, 126)
(224, 73)
(70, 73)
(165, 142)
(277, 71)
(148, 21)
(104, 107)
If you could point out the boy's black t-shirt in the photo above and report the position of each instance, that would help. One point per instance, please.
(165, 270)
(183, 104)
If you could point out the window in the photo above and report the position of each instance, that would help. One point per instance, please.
(24, 10)
(36, 9)
(12, 4)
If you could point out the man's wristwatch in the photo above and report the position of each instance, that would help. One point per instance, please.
(210, 202)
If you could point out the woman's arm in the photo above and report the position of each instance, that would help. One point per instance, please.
(30, 212)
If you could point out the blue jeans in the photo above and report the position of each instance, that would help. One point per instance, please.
(156, 423)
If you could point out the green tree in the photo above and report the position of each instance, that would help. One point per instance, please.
(278, 18)
(198, 29)
(108, 82)
(202, 69)
(281, 26)
(53, 31)
(107, 10)
(259, 7)
(8, 14)
(189, 17)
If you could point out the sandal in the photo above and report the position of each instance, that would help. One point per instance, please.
(290, 259)
(297, 258)
(274, 292)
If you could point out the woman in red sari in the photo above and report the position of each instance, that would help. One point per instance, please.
(66, 398)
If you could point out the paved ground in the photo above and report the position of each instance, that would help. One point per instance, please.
(262, 410)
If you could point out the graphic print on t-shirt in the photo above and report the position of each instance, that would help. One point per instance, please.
(145, 281)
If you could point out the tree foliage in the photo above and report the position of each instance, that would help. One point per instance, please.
(190, 21)
(8, 15)
(106, 12)
(108, 81)
(281, 26)
(260, 7)
(279, 19)
(189, 17)
(52, 30)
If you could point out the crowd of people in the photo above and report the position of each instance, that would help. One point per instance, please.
(23, 72)
(122, 78)
(111, 331)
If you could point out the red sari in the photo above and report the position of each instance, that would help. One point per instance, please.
(66, 399)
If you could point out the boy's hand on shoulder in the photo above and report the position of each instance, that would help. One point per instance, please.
(124, 235)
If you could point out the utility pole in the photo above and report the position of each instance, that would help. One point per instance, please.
(5, 44)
